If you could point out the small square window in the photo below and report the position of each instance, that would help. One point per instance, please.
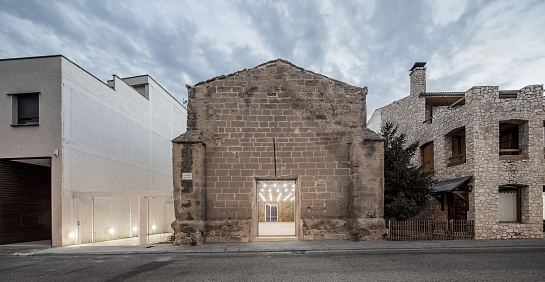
(513, 140)
(25, 109)
(28, 109)
(509, 144)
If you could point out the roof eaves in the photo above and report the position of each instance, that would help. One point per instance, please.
(35, 57)
(442, 94)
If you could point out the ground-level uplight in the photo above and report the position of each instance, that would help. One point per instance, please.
(111, 231)
(71, 235)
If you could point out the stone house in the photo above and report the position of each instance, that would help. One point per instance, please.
(486, 148)
(83, 160)
(277, 152)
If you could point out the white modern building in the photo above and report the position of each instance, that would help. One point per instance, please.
(82, 160)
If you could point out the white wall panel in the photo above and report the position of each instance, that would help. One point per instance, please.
(124, 98)
(117, 140)
(161, 182)
(101, 129)
(91, 173)
(161, 150)
(160, 109)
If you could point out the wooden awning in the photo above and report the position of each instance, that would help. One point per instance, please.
(450, 184)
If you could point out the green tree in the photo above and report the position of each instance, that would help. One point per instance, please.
(407, 188)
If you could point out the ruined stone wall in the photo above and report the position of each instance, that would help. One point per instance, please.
(480, 116)
(277, 109)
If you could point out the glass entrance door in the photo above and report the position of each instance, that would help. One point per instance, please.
(276, 207)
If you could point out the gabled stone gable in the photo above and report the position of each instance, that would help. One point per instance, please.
(287, 89)
(312, 124)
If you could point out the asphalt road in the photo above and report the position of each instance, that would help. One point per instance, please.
(506, 264)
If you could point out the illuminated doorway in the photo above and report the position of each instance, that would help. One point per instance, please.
(276, 207)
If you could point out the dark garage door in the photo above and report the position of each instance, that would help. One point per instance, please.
(25, 202)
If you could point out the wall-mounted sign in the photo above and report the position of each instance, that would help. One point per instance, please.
(187, 176)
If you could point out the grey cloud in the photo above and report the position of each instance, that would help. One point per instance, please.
(282, 25)
(361, 42)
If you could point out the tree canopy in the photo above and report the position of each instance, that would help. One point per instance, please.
(407, 188)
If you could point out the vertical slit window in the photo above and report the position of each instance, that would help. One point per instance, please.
(458, 147)
(427, 156)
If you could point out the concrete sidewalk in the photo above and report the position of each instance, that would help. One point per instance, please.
(286, 246)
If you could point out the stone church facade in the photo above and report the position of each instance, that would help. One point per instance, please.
(277, 152)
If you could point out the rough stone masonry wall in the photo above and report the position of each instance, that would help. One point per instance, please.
(481, 114)
(490, 172)
(311, 119)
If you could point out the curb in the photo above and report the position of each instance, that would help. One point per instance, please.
(295, 251)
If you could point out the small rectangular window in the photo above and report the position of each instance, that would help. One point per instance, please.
(458, 147)
(509, 140)
(429, 114)
(427, 157)
(28, 109)
(514, 139)
(509, 204)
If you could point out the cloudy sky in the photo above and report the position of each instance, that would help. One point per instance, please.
(364, 43)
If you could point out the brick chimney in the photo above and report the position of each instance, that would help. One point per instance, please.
(418, 78)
